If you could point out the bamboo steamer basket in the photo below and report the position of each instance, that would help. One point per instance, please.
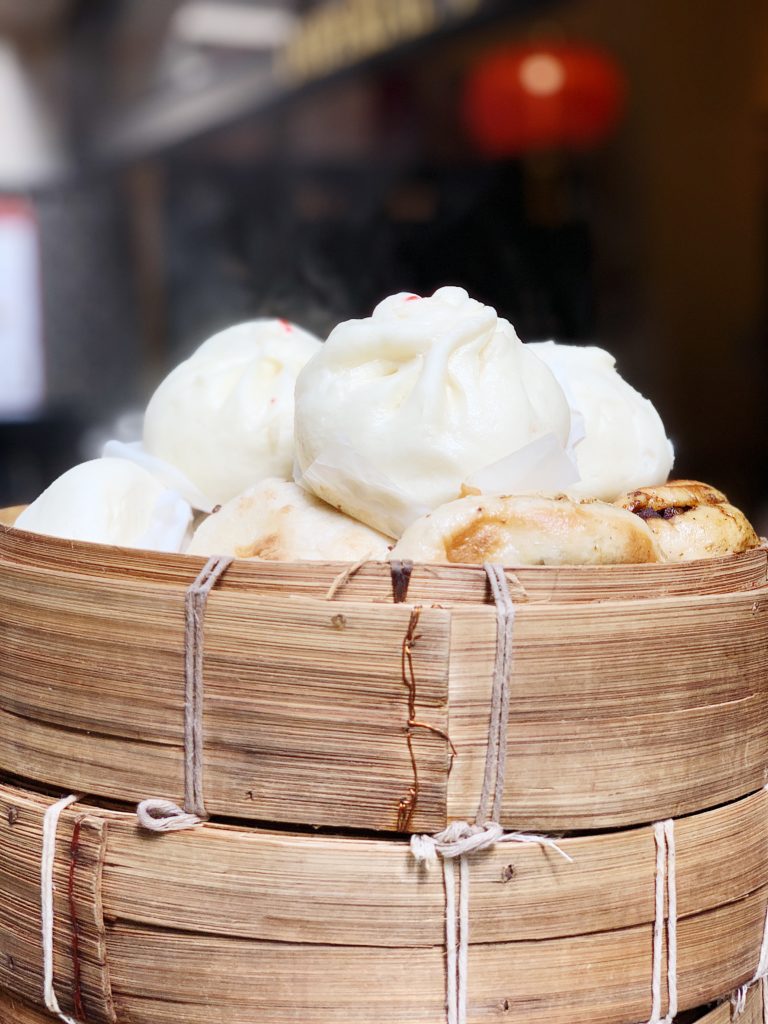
(241, 924)
(638, 692)
(14, 1011)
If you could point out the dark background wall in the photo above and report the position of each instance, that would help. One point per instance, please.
(652, 243)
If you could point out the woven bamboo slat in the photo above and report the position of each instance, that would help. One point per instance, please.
(241, 924)
(623, 710)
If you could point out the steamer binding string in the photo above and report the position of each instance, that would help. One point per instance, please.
(738, 999)
(47, 857)
(666, 879)
(461, 840)
(163, 815)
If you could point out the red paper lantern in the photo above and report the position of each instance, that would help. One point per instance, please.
(543, 96)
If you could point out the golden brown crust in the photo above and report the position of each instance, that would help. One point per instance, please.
(267, 548)
(673, 494)
(276, 521)
(528, 530)
(691, 520)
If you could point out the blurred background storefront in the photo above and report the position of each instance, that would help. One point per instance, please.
(595, 169)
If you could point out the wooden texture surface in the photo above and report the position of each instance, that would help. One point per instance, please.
(15, 1011)
(243, 925)
(8, 516)
(445, 584)
(79, 937)
(623, 710)
(305, 706)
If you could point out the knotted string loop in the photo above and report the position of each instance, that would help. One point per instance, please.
(165, 816)
(461, 838)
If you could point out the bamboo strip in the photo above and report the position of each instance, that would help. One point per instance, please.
(444, 584)
(80, 846)
(236, 883)
(160, 977)
(13, 1011)
(243, 925)
(306, 708)
(622, 711)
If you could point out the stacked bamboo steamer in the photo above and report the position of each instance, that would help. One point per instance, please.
(638, 694)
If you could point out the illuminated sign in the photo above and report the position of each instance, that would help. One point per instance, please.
(346, 32)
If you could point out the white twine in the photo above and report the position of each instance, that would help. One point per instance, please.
(462, 976)
(451, 1001)
(165, 816)
(738, 998)
(666, 880)
(48, 855)
(461, 840)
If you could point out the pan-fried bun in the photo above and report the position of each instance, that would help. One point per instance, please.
(278, 521)
(527, 530)
(673, 494)
(690, 519)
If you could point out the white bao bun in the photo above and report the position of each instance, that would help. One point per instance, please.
(224, 417)
(110, 501)
(398, 410)
(625, 444)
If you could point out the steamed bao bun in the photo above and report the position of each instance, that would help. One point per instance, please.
(278, 521)
(110, 501)
(625, 444)
(528, 530)
(396, 411)
(224, 417)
